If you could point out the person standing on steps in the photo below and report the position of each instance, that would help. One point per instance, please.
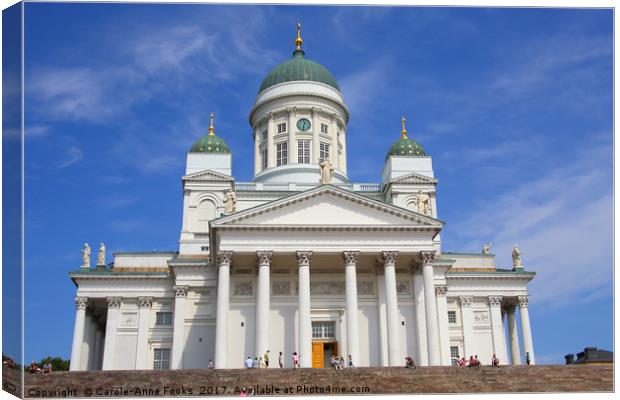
(295, 360)
(266, 358)
(280, 363)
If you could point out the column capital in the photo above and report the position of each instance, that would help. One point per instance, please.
(441, 290)
(81, 303)
(350, 257)
(304, 257)
(114, 302)
(292, 111)
(523, 301)
(389, 257)
(428, 257)
(263, 257)
(145, 302)
(495, 301)
(466, 301)
(180, 290)
(224, 257)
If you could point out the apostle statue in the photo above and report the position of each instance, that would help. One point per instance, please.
(327, 171)
(516, 256)
(423, 201)
(86, 256)
(230, 201)
(486, 248)
(101, 255)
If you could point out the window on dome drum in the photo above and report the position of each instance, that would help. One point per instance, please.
(281, 154)
(323, 330)
(265, 160)
(161, 359)
(452, 317)
(454, 354)
(163, 318)
(324, 128)
(303, 152)
(323, 151)
(282, 127)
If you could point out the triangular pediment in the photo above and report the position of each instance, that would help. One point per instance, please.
(328, 206)
(208, 176)
(413, 178)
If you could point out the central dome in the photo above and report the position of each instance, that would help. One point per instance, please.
(298, 69)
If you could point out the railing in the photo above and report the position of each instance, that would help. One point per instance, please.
(299, 187)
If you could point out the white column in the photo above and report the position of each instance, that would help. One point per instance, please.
(178, 333)
(333, 151)
(114, 305)
(316, 131)
(382, 320)
(513, 336)
(305, 322)
(343, 156)
(292, 144)
(224, 259)
(144, 310)
(87, 344)
(430, 306)
(442, 318)
(526, 330)
(420, 315)
(467, 319)
(262, 303)
(350, 263)
(271, 149)
(389, 270)
(497, 331)
(257, 153)
(78, 333)
(97, 353)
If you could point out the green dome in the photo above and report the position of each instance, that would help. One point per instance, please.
(406, 147)
(210, 144)
(298, 69)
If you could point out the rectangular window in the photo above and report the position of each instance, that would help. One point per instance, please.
(454, 354)
(163, 318)
(452, 317)
(204, 248)
(324, 128)
(324, 330)
(303, 152)
(161, 359)
(265, 159)
(323, 151)
(281, 153)
(282, 127)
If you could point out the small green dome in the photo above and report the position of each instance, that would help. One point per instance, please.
(210, 144)
(298, 69)
(406, 146)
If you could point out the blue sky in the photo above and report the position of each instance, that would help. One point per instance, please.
(514, 105)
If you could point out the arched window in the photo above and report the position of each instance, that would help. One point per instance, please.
(206, 212)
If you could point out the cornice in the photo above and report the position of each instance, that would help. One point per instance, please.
(345, 228)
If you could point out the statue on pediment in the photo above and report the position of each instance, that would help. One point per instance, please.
(230, 201)
(423, 202)
(327, 171)
(101, 255)
(516, 256)
(86, 256)
(486, 248)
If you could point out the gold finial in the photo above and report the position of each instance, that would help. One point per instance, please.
(403, 132)
(298, 40)
(211, 128)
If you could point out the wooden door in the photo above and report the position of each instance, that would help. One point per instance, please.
(317, 354)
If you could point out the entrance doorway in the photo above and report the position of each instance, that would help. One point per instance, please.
(322, 353)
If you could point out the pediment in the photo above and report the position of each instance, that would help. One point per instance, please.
(414, 178)
(208, 176)
(328, 206)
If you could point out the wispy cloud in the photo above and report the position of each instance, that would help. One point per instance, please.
(127, 225)
(73, 154)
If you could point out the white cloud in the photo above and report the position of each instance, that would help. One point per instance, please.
(73, 154)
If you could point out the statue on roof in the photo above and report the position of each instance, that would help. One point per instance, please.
(86, 256)
(423, 202)
(327, 171)
(486, 248)
(516, 256)
(230, 201)
(101, 255)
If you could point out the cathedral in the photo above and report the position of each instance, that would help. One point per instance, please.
(301, 259)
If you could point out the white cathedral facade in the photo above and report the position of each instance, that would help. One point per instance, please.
(301, 259)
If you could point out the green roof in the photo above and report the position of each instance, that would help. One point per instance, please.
(298, 68)
(210, 144)
(406, 147)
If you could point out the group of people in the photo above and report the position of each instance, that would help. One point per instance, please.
(35, 369)
(263, 362)
(409, 363)
(339, 363)
(475, 362)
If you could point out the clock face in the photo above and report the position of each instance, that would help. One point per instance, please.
(303, 125)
